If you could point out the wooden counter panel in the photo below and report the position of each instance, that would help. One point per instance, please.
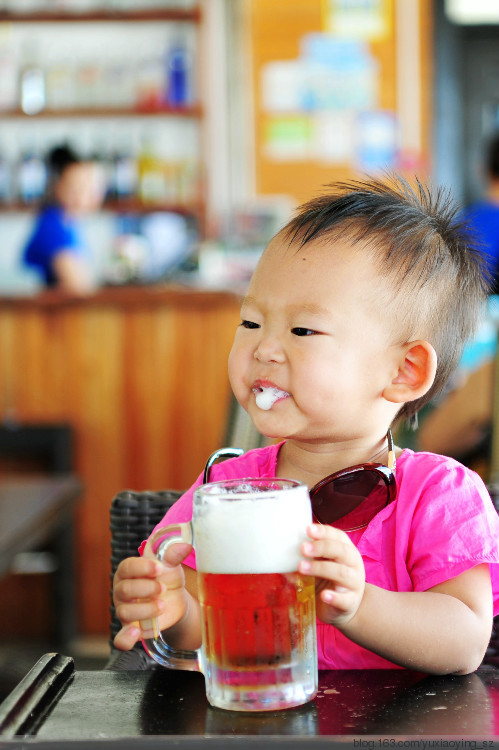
(126, 296)
(145, 388)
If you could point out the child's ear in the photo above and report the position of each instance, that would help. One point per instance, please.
(416, 373)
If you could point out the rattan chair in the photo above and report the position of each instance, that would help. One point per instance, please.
(133, 517)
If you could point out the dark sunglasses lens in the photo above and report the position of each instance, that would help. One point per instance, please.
(351, 501)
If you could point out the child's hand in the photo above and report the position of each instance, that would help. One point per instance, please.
(144, 588)
(338, 567)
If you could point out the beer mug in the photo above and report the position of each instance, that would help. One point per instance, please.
(259, 648)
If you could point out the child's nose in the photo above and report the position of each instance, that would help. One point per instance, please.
(269, 349)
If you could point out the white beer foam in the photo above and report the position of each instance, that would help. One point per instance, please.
(266, 397)
(259, 535)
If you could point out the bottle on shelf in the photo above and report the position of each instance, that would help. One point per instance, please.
(60, 84)
(188, 180)
(149, 84)
(124, 174)
(119, 75)
(31, 81)
(8, 70)
(178, 79)
(152, 183)
(31, 177)
(100, 152)
(5, 180)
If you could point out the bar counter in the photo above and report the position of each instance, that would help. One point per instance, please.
(140, 375)
(131, 296)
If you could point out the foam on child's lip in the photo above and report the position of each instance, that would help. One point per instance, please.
(267, 396)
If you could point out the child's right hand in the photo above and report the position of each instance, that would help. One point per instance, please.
(144, 588)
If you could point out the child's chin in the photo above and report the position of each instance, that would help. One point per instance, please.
(264, 425)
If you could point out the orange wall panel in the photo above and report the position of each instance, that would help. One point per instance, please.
(276, 27)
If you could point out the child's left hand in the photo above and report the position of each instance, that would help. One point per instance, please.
(338, 567)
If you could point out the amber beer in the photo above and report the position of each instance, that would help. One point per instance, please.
(259, 643)
(254, 623)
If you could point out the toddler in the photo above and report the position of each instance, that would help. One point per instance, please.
(355, 317)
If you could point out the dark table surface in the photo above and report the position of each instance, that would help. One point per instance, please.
(35, 511)
(129, 709)
(31, 510)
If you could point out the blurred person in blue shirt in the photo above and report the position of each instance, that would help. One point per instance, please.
(56, 248)
(483, 216)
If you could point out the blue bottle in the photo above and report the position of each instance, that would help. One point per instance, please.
(178, 76)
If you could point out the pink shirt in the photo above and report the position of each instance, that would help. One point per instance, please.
(441, 524)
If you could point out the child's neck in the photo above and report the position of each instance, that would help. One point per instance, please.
(309, 463)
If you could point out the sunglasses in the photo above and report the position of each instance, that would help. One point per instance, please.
(348, 499)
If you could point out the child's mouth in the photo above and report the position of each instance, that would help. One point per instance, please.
(266, 396)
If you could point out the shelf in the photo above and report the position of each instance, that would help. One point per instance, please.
(148, 108)
(134, 205)
(131, 205)
(192, 15)
(190, 111)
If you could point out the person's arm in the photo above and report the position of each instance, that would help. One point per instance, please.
(443, 630)
(73, 275)
(460, 421)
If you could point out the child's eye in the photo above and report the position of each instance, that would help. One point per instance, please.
(249, 324)
(303, 332)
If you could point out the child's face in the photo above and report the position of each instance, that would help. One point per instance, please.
(315, 328)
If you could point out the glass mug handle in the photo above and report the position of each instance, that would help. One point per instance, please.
(155, 645)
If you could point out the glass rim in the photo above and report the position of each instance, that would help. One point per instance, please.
(256, 486)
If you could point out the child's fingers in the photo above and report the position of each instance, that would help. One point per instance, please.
(144, 610)
(331, 544)
(323, 537)
(339, 601)
(138, 567)
(345, 554)
(342, 576)
(131, 589)
(173, 555)
(138, 578)
(336, 604)
(322, 531)
(149, 566)
(335, 562)
(126, 638)
(176, 553)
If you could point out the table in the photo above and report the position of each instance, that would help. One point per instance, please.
(34, 511)
(164, 708)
